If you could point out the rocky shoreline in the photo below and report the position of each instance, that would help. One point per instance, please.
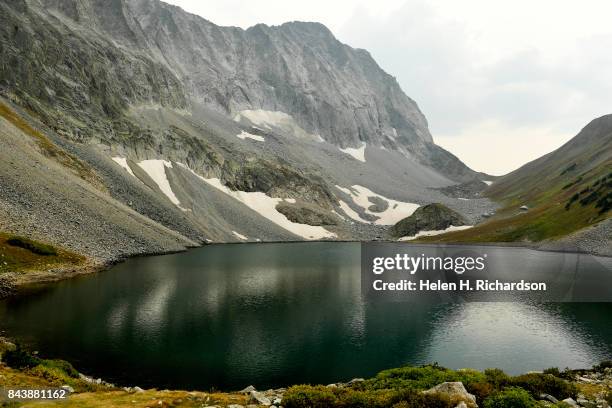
(430, 384)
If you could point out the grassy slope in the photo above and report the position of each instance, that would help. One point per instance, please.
(546, 185)
(16, 259)
(89, 395)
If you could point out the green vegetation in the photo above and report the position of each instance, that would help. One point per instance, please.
(32, 246)
(565, 191)
(20, 254)
(320, 396)
(19, 358)
(402, 387)
(559, 211)
(20, 369)
(53, 372)
(395, 388)
(511, 398)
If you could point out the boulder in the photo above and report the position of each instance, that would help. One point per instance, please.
(571, 402)
(455, 391)
(548, 397)
(260, 398)
(247, 390)
(67, 388)
(431, 217)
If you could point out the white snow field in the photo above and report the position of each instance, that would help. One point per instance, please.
(396, 211)
(122, 161)
(240, 236)
(245, 135)
(357, 153)
(435, 232)
(266, 206)
(156, 169)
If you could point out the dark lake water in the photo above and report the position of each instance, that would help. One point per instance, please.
(227, 316)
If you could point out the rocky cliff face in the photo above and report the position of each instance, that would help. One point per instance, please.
(297, 68)
(131, 126)
(100, 57)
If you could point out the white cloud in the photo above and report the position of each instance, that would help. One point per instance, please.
(535, 71)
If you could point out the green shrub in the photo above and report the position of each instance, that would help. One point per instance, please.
(553, 371)
(419, 378)
(538, 384)
(19, 358)
(603, 365)
(300, 396)
(32, 246)
(63, 366)
(482, 390)
(510, 398)
(306, 396)
(497, 378)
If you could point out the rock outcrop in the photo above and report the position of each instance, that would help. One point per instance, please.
(431, 217)
(100, 58)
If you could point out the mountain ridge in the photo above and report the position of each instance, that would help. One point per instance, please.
(180, 59)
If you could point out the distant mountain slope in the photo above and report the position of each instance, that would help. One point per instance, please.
(561, 193)
(582, 160)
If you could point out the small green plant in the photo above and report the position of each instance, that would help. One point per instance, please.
(497, 378)
(308, 396)
(553, 371)
(32, 246)
(19, 358)
(63, 366)
(510, 398)
(482, 390)
(538, 384)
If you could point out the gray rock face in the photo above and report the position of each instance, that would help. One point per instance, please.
(431, 217)
(455, 390)
(297, 68)
(102, 57)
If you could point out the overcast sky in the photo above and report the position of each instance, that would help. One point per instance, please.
(500, 82)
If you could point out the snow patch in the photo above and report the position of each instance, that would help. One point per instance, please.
(464, 199)
(270, 119)
(156, 169)
(357, 153)
(290, 200)
(396, 211)
(264, 118)
(122, 161)
(435, 232)
(240, 236)
(266, 206)
(244, 135)
(488, 183)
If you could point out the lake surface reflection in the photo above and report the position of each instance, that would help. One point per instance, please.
(227, 316)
